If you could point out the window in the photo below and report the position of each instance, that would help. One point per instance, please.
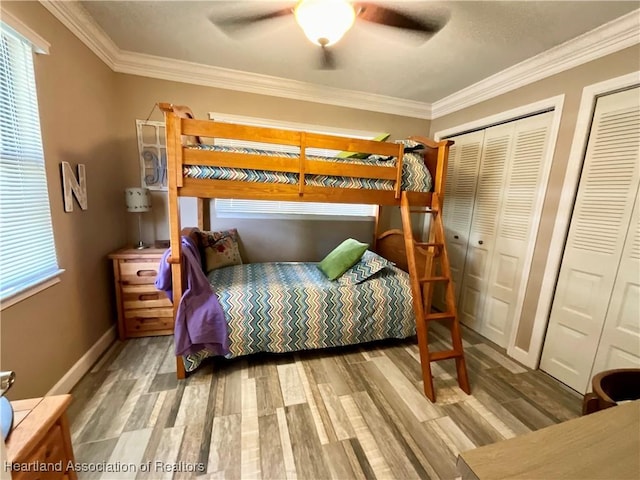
(265, 208)
(27, 249)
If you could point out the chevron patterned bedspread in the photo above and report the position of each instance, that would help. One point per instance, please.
(415, 176)
(285, 307)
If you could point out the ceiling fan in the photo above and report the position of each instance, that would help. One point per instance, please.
(324, 22)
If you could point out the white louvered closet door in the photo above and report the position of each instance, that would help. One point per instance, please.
(487, 205)
(516, 218)
(619, 345)
(597, 234)
(462, 176)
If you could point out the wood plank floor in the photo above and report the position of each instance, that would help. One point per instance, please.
(356, 412)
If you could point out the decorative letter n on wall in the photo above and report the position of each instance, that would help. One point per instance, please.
(70, 184)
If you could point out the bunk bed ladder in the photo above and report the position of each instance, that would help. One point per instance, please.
(422, 290)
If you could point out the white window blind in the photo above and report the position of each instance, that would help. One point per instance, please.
(232, 207)
(27, 249)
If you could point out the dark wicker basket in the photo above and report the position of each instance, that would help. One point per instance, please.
(611, 387)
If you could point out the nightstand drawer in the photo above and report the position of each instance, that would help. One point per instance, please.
(149, 312)
(135, 273)
(50, 451)
(143, 296)
(138, 325)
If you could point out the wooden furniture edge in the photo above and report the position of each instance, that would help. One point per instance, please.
(182, 125)
(497, 461)
(391, 245)
(130, 253)
(42, 419)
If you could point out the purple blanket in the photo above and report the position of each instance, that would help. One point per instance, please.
(200, 321)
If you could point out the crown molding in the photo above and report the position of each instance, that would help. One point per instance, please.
(199, 74)
(73, 16)
(609, 38)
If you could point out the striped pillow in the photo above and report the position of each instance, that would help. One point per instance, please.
(370, 264)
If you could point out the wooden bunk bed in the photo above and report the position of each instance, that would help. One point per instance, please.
(383, 185)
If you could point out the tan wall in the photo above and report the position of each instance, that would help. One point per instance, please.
(263, 240)
(571, 84)
(43, 336)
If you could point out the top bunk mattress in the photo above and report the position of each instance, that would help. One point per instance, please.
(415, 175)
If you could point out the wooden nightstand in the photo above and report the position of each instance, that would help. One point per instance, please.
(142, 310)
(40, 440)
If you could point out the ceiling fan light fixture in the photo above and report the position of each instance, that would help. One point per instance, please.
(324, 22)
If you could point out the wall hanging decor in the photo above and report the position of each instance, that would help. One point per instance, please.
(72, 187)
(152, 154)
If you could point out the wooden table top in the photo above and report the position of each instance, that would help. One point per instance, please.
(32, 418)
(603, 445)
(135, 253)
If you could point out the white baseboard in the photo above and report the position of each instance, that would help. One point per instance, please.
(82, 366)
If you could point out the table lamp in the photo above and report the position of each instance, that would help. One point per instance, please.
(6, 410)
(138, 201)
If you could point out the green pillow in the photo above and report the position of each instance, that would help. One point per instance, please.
(380, 138)
(343, 257)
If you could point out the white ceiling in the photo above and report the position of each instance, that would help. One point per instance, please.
(479, 39)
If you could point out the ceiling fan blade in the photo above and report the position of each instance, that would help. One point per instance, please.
(233, 23)
(328, 59)
(393, 18)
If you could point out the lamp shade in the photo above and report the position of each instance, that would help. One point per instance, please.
(138, 199)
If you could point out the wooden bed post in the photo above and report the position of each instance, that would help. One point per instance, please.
(376, 227)
(174, 157)
(204, 214)
(398, 187)
(441, 170)
(435, 158)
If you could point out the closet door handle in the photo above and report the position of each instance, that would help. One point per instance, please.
(456, 237)
(480, 242)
